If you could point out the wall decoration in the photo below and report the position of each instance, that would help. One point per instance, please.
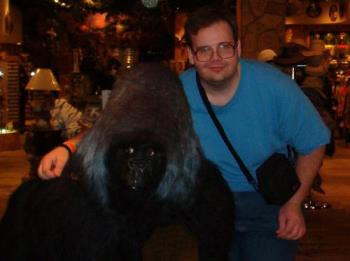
(333, 12)
(9, 25)
(342, 8)
(313, 9)
(292, 8)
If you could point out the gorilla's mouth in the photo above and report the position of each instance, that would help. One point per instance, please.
(136, 183)
(138, 175)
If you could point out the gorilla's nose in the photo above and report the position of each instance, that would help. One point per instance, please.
(137, 165)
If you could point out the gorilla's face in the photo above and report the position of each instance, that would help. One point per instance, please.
(135, 167)
(140, 165)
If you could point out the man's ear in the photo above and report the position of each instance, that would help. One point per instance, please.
(190, 55)
(238, 48)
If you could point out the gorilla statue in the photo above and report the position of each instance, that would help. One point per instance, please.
(140, 166)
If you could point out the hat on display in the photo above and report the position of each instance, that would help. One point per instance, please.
(317, 71)
(317, 47)
(292, 53)
(299, 41)
(315, 83)
(318, 61)
(266, 55)
(312, 82)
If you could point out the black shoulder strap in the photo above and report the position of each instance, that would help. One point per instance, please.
(221, 130)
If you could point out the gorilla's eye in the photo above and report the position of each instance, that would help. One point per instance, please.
(130, 150)
(151, 152)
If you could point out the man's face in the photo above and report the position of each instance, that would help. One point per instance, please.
(217, 70)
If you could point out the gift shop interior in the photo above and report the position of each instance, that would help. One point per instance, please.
(60, 58)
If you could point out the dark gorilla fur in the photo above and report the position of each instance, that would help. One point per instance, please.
(102, 209)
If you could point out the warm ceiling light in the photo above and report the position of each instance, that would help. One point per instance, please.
(89, 2)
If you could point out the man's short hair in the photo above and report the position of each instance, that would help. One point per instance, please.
(206, 16)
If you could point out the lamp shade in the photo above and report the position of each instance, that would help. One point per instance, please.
(43, 80)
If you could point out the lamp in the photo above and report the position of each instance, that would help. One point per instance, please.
(43, 80)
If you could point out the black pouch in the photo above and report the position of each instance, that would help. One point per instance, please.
(277, 179)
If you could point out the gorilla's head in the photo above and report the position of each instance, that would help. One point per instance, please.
(147, 111)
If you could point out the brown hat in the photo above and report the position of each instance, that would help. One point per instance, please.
(317, 47)
(316, 71)
(318, 54)
(291, 55)
(266, 55)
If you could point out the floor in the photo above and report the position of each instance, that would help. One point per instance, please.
(328, 236)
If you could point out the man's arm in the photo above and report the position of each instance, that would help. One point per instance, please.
(52, 164)
(291, 219)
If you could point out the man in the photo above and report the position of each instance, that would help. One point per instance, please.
(262, 111)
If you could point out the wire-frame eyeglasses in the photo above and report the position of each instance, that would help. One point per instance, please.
(224, 50)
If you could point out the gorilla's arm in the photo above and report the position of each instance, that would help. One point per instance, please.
(57, 220)
(213, 214)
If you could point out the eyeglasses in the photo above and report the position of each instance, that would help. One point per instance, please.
(224, 50)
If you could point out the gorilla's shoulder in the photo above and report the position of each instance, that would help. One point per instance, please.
(48, 190)
(57, 220)
(210, 169)
(210, 179)
(43, 199)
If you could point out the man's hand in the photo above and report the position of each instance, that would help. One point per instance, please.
(52, 164)
(291, 222)
(291, 219)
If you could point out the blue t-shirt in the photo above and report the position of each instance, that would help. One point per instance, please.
(267, 112)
